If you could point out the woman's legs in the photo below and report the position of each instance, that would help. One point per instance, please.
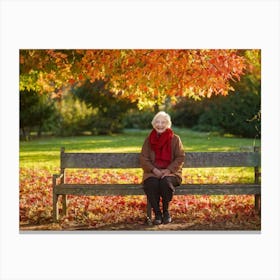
(151, 189)
(155, 188)
(167, 187)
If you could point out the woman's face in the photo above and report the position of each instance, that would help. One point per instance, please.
(160, 124)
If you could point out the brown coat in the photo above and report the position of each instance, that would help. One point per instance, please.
(147, 158)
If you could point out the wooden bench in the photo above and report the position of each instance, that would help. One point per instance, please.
(131, 160)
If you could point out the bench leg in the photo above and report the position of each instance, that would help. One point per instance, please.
(55, 208)
(258, 203)
(64, 204)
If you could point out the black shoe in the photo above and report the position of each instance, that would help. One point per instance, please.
(166, 218)
(158, 220)
(149, 221)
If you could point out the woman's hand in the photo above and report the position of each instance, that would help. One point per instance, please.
(165, 172)
(161, 173)
(157, 172)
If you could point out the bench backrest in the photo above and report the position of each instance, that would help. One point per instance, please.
(131, 160)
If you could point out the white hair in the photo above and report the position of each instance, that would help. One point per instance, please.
(162, 114)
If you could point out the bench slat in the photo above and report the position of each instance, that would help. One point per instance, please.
(218, 189)
(136, 189)
(222, 159)
(99, 190)
(97, 160)
(131, 160)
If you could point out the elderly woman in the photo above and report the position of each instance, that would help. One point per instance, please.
(162, 158)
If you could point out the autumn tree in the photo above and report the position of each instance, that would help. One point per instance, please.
(144, 76)
(239, 113)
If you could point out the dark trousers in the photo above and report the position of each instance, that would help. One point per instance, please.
(156, 188)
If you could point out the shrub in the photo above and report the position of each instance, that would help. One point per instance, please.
(109, 109)
(187, 112)
(235, 114)
(138, 119)
(74, 116)
(238, 114)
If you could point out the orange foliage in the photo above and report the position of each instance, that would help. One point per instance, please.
(96, 212)
(139, 74)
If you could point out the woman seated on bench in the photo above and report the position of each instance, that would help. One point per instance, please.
(162, 158)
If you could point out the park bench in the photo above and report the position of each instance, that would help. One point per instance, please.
(131, 160)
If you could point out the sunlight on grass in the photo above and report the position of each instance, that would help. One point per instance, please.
(45, 152)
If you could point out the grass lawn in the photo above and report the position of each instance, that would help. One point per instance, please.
(44, 152)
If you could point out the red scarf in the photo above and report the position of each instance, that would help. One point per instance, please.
(161, 145)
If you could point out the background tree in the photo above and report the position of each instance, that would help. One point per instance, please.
(109, 110)
(36, 113)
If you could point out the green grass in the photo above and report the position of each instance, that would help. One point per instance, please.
(44, 152)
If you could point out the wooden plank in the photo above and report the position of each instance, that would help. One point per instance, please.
(218, 189)
(136, 189)
(131, 160)
(100, 160)
(99, 190)
(222, 159)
